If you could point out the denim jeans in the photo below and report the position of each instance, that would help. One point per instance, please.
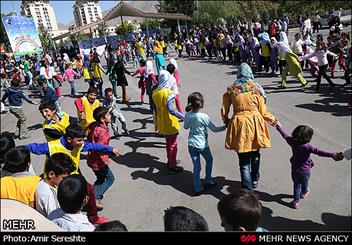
(105, 178)
(249, 168)
(73, 88)
(195, 156)
(300, 184)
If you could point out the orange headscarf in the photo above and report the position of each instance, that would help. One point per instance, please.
(157, 47)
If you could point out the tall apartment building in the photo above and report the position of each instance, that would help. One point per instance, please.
(86, 12)
(42, 13)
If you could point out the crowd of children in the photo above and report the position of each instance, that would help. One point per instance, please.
(61, 193)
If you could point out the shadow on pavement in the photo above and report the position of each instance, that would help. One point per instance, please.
(158, 173)
(333, 101)
(332, 222)
(35, 126)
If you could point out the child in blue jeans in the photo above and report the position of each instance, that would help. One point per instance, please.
(301, 163)
(198, 123)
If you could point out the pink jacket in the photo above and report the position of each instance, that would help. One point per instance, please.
(69, 75)
(98, 133)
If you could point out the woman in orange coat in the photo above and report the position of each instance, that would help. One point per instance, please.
(247, 131)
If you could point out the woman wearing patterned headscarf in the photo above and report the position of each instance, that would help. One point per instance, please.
(247, 131)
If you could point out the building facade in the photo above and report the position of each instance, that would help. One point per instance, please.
(86, 12)
(42, 13)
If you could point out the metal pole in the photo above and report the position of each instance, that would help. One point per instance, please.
(178, 26)
(123, 28)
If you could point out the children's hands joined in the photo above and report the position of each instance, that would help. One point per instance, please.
(338, 156)
(116, 152)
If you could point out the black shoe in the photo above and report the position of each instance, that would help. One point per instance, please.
(127, 132)
(175, 170)
(198, 193)
(304, 85)
(177, 163)
(281, 86)
(332, 86)
(210, 184)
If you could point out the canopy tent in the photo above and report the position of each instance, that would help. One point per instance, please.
(123, 9)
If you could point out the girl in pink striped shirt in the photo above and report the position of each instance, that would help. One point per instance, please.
(69, 75)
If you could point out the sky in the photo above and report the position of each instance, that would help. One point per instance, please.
(63, 9)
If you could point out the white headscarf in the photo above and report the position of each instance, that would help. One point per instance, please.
(66, 58)
(173, 61)
(165, 80)
(281, 46)
(149, 68)
(283, 37)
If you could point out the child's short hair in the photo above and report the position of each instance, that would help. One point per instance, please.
(41, 82)
(59, 163)
(142, 62)
(240, 209)
(183, 219)
(108, 90)
(6, 143)
(15, 82)
(171, 68)
(17, 159)
(71, 193)
(194, 101)
(302, 134)
(100, 112)
(112, 226)
(75, 131)
(93, 90)
(49, 104)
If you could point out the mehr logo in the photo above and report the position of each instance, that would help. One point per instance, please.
(248, 238)
(18, 224)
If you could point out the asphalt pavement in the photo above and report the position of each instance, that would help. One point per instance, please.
(143, 189)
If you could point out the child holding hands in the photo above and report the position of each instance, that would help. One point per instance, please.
(301, 163)
(198, 123)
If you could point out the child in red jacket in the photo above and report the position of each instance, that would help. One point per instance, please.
(99, 133)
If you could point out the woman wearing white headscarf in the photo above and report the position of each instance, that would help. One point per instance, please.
(150, 81)
(292, 63)
(167, 118)
(173, 61)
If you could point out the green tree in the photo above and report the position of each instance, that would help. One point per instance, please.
(124, 29)
(176, 6)
(150, 23)
(102, 30)
(45, 38)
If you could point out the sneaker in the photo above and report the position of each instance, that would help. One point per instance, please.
(210, 184)
(295, 204)
(255, 184)
(198, 193)
(175, 170)
(99, 204)
(127, 132)
(281, 86)
(304, 85)
(177, 163)
(100, 220)
(304, 195)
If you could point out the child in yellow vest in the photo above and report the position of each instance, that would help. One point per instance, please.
(55, 124)
(86, 105)
(167, 118)
(21, 184)
(73, 144)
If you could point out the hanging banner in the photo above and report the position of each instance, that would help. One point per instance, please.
(23, 35)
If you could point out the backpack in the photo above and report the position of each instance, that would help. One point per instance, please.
(273, 29)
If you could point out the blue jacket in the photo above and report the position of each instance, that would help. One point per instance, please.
(43, 148)
(50, 94)
(15, 96)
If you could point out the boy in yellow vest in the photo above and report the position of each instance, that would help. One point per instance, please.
(55, 124)
(73, 144)
(167, 119)
(20, 185)
(86, 105)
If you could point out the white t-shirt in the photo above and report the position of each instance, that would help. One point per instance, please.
(46, 199)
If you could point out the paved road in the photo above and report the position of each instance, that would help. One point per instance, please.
(143, 189)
